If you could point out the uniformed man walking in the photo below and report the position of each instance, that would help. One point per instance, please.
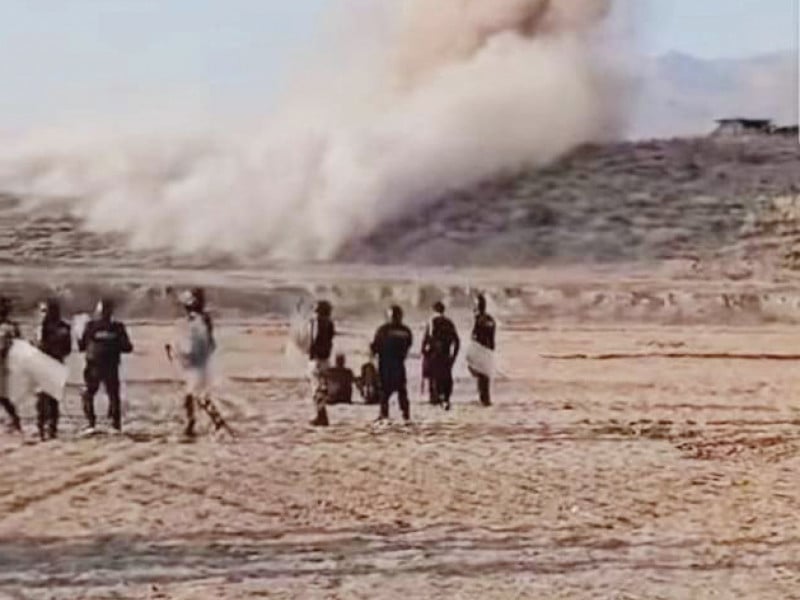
(195, 346)
(483, 333)
(391, 344)
(440, 348)
(104, 341)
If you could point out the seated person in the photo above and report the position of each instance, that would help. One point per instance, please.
(340, 381)
(369, 384)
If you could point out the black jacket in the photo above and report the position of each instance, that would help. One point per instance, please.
(441, 343)
(322, 334)
(105, 342)
(391, 343)
(484, 331)
(55, 339)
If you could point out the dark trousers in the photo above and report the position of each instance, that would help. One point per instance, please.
(108, 376)
(47, 413)
(441, 384)
(188, 404)
(390, 388)
(11, 410)
(483, 389)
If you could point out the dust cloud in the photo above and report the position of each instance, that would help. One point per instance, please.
(414, 99)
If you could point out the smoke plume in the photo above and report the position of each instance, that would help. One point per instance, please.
(431, 97)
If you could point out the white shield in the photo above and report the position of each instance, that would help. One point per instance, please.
(480, 359)
(31, 369)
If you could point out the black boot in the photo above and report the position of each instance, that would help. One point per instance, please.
(42, 414)
(321, 419)
(11, 410)
(55, 416)
(188, 405)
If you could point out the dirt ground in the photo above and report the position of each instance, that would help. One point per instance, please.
(619, 461)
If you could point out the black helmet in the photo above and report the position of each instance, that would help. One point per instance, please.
(396, 313)
(323, 308)
(193, 299)
(106, 307)
(199, 296)
(52, 308)
(438, 307)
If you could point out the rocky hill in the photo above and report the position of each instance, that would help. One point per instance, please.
(701, 198)
(682, 198)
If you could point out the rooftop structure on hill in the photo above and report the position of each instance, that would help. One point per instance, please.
(792, 130)
(742, 126)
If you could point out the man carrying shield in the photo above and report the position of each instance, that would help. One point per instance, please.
(483, 334)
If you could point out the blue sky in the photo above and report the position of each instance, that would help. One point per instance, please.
(60, 57)
(719, 28)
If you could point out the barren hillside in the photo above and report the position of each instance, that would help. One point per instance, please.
(626, 202)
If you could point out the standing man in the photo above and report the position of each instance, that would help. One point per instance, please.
(319, 354)
(195, 346)
(483, 333)
(104, 341)
(9, 331)
(440, 348)
(391, 344)
(54, 338)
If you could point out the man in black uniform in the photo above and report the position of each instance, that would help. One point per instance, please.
(440, 348)
(483, 332)
(322, 334)
(104, 341)
(391, 344)
(9, 331)
(54, 338)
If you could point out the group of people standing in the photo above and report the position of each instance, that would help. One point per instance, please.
(391, 345)
(104, 340)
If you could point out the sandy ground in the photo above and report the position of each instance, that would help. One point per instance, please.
(666, 476)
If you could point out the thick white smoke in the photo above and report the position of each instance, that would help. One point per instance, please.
(432, 96)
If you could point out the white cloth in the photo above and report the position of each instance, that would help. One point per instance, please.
(193, 343)
(197, 381)
(194, 349)
(30, 369)
(301, 333)
(480, 359)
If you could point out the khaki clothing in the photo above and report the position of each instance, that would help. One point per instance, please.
(319, 383)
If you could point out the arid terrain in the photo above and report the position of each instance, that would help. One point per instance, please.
(644, 442)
